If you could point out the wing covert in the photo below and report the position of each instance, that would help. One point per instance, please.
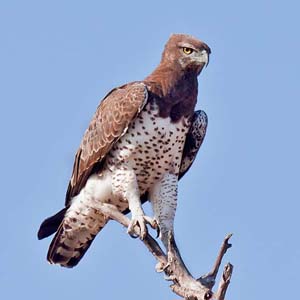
(111, 120)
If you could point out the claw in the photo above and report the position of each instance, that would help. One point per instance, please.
(157, 231)
(154, 224)
(141, 222)
(133, 235)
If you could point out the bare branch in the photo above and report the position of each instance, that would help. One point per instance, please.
(224, 282)
(209, 279)
(113, 213)
(173, 266)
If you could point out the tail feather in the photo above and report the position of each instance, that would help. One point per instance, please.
(73, 238)
(51, 224)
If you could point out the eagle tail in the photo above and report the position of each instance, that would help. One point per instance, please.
(73, 238)
(51, 224)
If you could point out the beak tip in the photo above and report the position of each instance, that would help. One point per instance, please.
(207, 57)
(207, 62)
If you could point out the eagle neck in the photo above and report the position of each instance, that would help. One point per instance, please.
(175, 91)
(166, 77)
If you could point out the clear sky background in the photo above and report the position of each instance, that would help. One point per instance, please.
(59, 58)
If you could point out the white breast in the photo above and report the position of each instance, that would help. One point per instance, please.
(152, 147)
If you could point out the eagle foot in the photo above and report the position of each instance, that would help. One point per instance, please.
(141, 221)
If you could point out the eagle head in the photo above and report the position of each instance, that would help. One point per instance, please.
(186, 52)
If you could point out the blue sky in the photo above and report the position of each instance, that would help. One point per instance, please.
(59, 58)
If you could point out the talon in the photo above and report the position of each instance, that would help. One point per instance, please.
(133, 235)
(141, 222)
(157, 231)
(154, 224)
(131, 230)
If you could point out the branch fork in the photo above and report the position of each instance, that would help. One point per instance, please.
(184, 284)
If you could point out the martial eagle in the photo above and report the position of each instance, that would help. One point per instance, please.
(142, 139)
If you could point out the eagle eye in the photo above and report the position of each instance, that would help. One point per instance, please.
(187, 50)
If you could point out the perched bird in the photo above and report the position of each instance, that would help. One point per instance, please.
(143, 137)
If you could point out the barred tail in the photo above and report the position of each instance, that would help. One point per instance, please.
(73, 238)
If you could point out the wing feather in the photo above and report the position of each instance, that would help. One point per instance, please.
(194, 140)
(111, 120)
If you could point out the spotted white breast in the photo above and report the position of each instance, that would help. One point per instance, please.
(152, 147)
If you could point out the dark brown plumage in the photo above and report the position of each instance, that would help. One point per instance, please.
(134, 128)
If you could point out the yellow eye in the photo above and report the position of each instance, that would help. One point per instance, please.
(187, 50)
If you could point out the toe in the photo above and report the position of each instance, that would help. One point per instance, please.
(143, 228)
(133, 235)
(139, 221)
(130, 229)
(152, 222)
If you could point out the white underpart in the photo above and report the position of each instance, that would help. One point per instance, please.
(146, 158)
(97, 187)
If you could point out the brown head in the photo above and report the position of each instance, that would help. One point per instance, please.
(174, 81)
(186, 52)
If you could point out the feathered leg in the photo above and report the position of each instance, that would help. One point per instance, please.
(124, 185)
(163, 197)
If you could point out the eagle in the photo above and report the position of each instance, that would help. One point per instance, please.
(143, 137)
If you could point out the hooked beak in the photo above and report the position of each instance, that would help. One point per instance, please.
(203, 57)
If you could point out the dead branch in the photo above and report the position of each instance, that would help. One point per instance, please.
(209, 279)
(184, 284)
(224, 282)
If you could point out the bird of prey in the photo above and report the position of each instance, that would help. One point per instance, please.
(142, 139)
